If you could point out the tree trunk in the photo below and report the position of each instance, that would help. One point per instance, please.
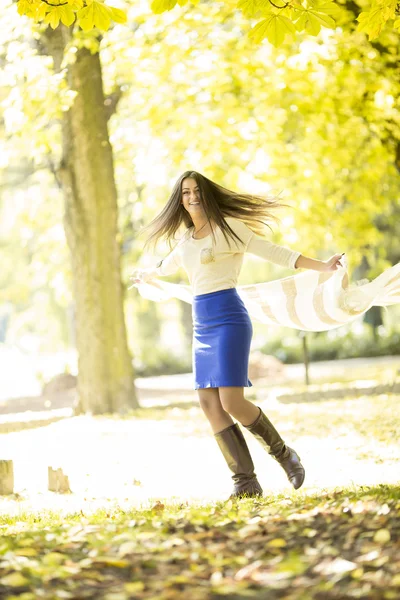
(106, 379)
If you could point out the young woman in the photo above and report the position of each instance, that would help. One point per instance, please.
(220, 226)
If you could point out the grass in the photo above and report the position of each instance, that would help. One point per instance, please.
(340, 543)
(149, 516)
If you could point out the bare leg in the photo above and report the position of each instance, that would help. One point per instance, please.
(234, 402)
(210, 403)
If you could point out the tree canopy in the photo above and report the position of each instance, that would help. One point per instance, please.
(268, 19)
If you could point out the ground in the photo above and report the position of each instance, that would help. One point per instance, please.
(148, 516)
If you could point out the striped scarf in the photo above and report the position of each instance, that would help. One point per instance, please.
(309, 301)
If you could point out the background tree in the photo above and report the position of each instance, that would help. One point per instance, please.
(86, 173)
(309, 118)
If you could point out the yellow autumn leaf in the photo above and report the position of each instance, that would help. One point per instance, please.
(248, 7)
(26, 552)
(127, 548)
(14, 580)
(274, 27)
(53, 16)
(302, 21)
(382, 536)
(325, 19)
(24, 7)
(371, 22)
(75, 4)
(160, 6)
(330, 8)
(308, 22)
(67, 15)
(277, 543)
(357, 573)
(102, 16)
(40, 11)
(86, 18)
(133, 587)
(259, 31)
(118, 15)
(111, 561)
(54, 558)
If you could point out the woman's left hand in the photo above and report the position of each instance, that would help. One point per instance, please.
(333, 263)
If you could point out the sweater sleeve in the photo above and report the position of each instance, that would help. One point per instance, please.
(273, 252)
(263, 248)
(170, 264)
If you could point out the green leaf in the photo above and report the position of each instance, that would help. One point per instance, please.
(371, 22)
(329, 8)
(160, 6)
(325, 19)
(249, 7)
(313, 26)
(309, 22)
(301, 22)
(274, 27)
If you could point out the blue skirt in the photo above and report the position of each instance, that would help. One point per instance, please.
(222, 332)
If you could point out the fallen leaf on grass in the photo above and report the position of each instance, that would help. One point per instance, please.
(134, 586)
(382, 536)
(111, 561)
(247, 571)
(14, 580)
(277, 543)
(338, 566)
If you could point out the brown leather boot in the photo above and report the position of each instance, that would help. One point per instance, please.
(270, 439)
(237, 455)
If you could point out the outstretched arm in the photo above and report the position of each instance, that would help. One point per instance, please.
(167, 266)
(332, 264)
(281, 255)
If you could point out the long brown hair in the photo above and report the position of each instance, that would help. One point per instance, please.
(218, 203)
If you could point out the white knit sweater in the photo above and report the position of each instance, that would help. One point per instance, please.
(213, 266)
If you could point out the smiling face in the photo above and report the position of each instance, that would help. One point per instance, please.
(191, 197)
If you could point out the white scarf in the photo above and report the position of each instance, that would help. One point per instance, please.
(309, 301)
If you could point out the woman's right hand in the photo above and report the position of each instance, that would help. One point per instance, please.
(140, 276)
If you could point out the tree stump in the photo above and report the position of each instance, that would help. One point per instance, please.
(58, 482)
(6, 477)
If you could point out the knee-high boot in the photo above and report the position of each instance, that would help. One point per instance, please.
(270, 439)
(237, 455)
